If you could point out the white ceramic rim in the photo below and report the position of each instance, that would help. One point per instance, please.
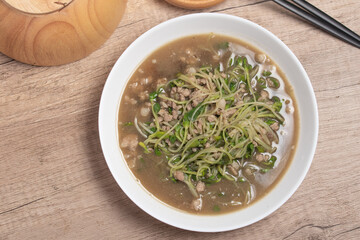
(226, 25)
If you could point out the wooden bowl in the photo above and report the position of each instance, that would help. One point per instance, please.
(194, 4)
(55, 32)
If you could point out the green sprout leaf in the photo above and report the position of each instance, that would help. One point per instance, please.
(157, 151)
(277, 106)
(146, 150)
(266, 73)
(223, 45)
(157, 107)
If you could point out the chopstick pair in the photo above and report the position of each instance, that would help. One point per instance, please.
(321, 20)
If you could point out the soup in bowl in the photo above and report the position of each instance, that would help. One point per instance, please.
(203, 127)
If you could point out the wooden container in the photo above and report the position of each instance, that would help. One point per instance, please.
(194, 4)
(55, 32)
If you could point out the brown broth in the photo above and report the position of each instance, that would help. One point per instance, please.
(153, 171)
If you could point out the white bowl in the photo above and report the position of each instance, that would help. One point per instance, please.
(225, 25)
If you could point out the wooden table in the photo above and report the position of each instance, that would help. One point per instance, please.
(55, 184)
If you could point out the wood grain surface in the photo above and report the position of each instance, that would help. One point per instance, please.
(38, 6)
(72, 32)
(55, 184)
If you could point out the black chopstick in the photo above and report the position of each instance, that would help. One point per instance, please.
(317, 12)
(321, 20)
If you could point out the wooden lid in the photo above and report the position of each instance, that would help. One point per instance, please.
(55, 32)
(194, 4)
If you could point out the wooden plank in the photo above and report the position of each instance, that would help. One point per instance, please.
(54, 182)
